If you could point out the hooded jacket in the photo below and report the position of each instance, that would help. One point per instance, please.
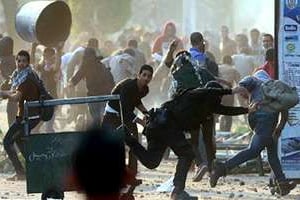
(157, 46)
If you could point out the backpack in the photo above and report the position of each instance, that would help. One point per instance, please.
(278, 96)
(189, 74)
(46, 112)
(184, 75)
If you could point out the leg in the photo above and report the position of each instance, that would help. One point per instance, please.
(208, 131)
(258, 143)
(195, 144)
(150, 157)
(274, 161)
(132, 163)
(13, 134)
(184, 151)
(11, 110)
(200, 157)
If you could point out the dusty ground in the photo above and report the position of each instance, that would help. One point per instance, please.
(231, 187)
(249, 186)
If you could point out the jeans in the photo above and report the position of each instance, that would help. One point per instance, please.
(263, 124)
(158, 140)
(15, 134)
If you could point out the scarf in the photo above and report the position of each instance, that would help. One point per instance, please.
(19, 76)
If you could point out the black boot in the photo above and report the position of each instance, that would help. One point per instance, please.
(217, 172)
(284, 187)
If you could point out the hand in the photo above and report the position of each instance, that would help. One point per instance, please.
(252, 107)
(239, 90)
(173, 45)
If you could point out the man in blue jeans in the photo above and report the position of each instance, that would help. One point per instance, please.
(264, 124)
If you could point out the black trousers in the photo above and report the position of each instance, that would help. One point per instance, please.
(15, 134)
(158, 140)
(113, 121)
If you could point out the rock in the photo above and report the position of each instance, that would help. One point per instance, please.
(253, 189)
(236, 180)
(231, 195)
(218, 192)
(242, 183)
(240, 195)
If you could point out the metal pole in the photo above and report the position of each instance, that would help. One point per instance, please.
(70, 101)
(121, 112)
(276, 31)
(26, 119)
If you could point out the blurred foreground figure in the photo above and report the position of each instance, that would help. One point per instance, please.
(99, 165)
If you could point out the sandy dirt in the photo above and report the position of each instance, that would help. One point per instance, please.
(249, 187)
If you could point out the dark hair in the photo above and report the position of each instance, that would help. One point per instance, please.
(132, 43)
(129, 51)
(254, 30)
(49, 51)
(268, 35)
(270, 54)
(227, 60)
(93, 43)
(146, 67)
(196, 38)
(99, 162)
(25, 54)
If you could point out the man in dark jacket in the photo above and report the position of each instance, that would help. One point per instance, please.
(99, 81)
(166, 126)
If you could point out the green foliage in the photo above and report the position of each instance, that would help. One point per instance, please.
(106, 16)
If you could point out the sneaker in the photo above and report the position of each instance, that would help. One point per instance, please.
(216, 173)
(284, 187)
(201, 171)
(182, 195)
(16, 177)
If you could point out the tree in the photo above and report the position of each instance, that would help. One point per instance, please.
(99, 15)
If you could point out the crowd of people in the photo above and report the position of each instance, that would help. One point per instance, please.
(192, 80)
